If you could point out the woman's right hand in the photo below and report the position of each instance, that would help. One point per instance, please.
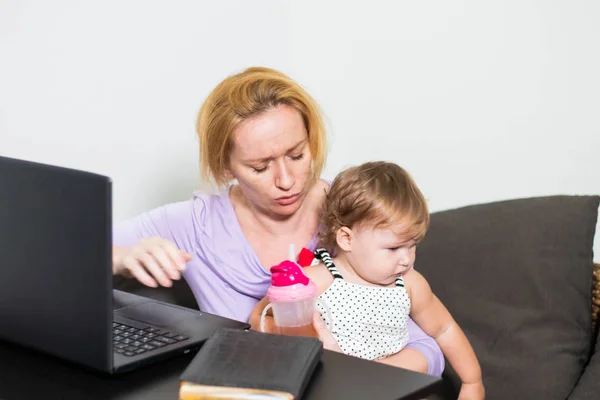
(151, 261)
(256, 314)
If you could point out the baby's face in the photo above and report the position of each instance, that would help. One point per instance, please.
(380, 255)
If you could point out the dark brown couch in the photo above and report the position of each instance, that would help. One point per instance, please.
(518, 277)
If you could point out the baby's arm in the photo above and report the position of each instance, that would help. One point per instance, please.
(433, 317)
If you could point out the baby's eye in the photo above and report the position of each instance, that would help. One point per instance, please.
(298, 157)
(393, 248)
(259, 170)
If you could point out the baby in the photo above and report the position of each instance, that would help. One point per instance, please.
(371, 222)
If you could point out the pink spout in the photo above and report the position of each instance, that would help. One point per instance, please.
(288, 273)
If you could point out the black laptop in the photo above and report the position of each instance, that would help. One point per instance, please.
(56, 291)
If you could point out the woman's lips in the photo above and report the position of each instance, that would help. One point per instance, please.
(287, 200)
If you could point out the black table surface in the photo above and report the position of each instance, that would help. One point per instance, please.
(27, 374)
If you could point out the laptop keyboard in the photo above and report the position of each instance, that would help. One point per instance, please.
(130, 341)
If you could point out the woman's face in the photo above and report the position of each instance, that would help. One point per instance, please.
(271, 160)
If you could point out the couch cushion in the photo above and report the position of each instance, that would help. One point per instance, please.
(588, 387)
(517, 277)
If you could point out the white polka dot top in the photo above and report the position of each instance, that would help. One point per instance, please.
(367, 321)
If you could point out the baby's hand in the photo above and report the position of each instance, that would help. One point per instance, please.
(329, 342)
(472, 391)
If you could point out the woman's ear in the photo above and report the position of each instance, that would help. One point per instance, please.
(227, 174)
(344, 238)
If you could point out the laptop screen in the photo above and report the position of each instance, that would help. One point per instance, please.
(55, 255)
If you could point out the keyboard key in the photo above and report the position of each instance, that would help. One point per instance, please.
(166, 340)
(130, 341)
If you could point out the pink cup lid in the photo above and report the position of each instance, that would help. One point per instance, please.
(290, 283)
(287, 294)
(288, 273)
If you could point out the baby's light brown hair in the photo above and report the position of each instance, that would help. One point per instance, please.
(376, 194)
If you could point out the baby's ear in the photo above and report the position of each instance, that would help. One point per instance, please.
(344, 238)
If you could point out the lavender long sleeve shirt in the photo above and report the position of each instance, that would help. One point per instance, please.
(225, 274)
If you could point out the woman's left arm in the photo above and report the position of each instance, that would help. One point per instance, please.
(421, 354)
(424, 350)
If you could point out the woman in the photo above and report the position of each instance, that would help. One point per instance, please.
(263, 130)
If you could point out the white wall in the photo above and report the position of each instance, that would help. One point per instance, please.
(481, 101)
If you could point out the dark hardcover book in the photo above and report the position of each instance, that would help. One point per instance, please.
(246, 364)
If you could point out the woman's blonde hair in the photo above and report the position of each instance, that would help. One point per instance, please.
(377, 195)
(245, 95)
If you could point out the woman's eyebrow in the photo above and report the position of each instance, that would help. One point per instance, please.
(298, 145)
(261, 160)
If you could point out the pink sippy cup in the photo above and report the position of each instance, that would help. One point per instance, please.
(293, 297)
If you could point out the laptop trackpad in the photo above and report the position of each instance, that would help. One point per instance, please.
(158, 314)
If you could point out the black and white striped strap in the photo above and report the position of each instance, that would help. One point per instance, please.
(324, 256)
(399, 281)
